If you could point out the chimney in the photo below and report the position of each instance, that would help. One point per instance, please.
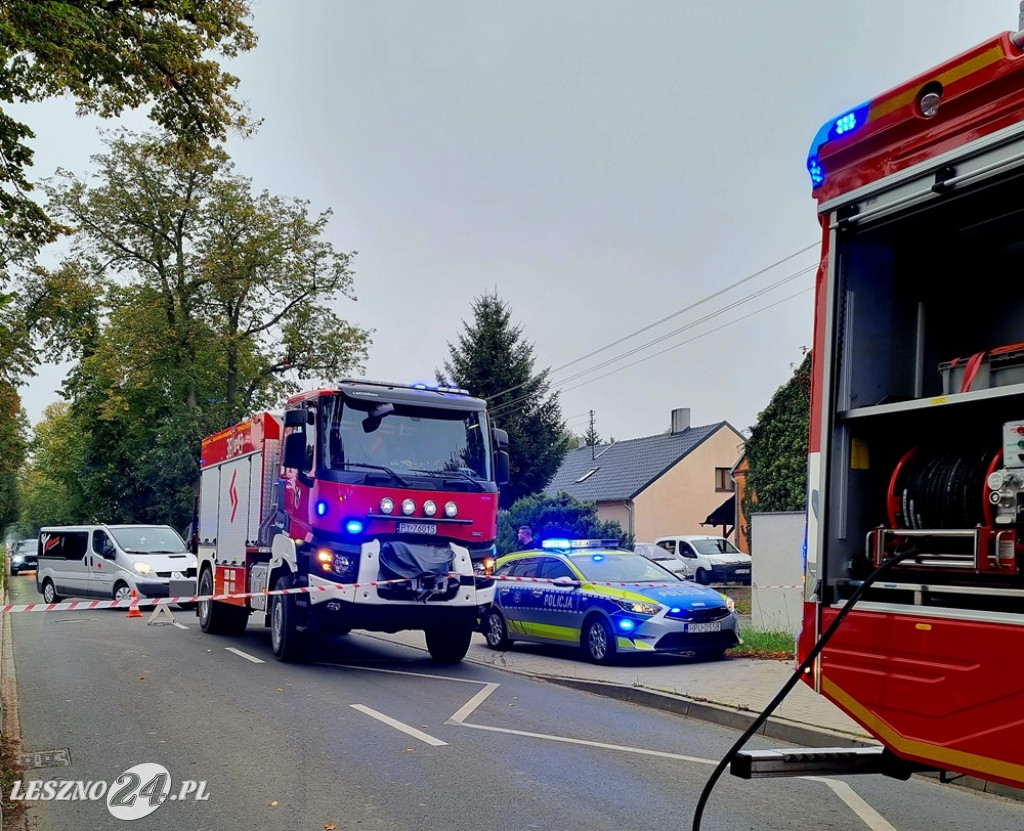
(680, 420)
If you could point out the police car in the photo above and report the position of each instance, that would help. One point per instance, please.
(591, 594)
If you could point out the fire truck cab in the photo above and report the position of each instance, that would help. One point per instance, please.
(371, 505)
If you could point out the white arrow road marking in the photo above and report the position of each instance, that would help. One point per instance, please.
(179, 625)
(405, 728)
(245, 655)
(868, 815)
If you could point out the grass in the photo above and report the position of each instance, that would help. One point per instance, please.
(758, 643)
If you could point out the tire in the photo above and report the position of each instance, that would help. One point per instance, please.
(218, 618)
(448, 644)
(289, 644)
(50, 592)
(496, 630)
(597, 641)
(703, 577)
(122, 591)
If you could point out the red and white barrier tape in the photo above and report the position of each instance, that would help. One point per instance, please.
(73, 605)
(793, 586)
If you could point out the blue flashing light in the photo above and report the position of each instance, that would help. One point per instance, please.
(597, 558)
(577, 544)
(675, 610)
(817, 174)
(626, 625)
(849, 121)
(321, 508)
(354, 526)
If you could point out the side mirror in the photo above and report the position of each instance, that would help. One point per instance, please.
(109, 552)
(501, 468)
(295, 450)
(500, 438)
(376, 416)
(294, 418)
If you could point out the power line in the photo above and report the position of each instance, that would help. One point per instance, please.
(674, 314)
(509, 404)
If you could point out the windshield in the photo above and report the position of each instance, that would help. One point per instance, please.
(715, 545)
(621, 568)
(148, 540)
(414, 440)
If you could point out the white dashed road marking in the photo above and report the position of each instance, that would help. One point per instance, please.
(245, 655)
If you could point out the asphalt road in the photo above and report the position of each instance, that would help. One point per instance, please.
(373, 736)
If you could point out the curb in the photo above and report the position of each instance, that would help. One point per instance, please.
(774, 727)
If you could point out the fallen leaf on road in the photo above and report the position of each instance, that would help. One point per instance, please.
(330, 826)
(142, 677)
(273, 804)
(280, 689)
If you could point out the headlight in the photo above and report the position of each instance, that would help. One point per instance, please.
(408, 507)
(387, 505)
(450, 509)
(430, 507)
(143, 568)
(638, 608)
(730, 604)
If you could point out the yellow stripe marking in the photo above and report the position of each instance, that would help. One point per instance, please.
(950, 76)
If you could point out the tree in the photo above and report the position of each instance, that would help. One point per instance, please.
(109, 57)
(51, 489)
(777, 448)
(12, 451)
(216, 302)
(591, 438)
(552, 517)
(493, 361)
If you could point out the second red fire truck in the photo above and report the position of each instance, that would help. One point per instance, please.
(917, 417)
(376, 503)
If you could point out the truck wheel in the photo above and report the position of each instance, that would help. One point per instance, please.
(288, 643)
(219, 618)
(598, 642)
(496, 630)
(448, 644)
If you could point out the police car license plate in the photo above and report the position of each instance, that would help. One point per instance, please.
(712, 626)
(417, 528)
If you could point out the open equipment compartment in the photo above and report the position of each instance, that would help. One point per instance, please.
(926, 448)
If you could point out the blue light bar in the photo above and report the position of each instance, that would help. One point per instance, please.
(564, 543)
(847, 123)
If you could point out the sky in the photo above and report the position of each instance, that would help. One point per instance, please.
(614, 171)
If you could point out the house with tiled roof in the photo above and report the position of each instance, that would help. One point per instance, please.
(659, 485)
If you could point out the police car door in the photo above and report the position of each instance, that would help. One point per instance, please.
(515, 598)
(558, 614)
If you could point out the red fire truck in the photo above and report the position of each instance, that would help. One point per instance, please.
(366, 483)
(917, 416)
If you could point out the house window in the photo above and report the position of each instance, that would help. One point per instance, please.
(723, 481)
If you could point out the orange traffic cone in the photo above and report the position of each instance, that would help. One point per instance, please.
(133, 610)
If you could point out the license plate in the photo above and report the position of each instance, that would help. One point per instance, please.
(743, 571)
(416, 528)
(713, 626)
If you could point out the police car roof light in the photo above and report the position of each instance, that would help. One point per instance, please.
(564, 543)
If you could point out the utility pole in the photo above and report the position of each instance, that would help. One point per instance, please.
(593, 451)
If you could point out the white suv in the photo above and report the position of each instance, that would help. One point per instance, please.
(709, 559)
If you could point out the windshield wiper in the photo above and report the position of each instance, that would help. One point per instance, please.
(387, 470)
(451, 474)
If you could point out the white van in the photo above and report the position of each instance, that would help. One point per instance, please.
(109, 561)
(709, 559)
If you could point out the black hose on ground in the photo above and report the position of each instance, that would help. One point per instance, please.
(755, 725)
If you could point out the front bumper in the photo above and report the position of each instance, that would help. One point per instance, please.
(663, 634)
